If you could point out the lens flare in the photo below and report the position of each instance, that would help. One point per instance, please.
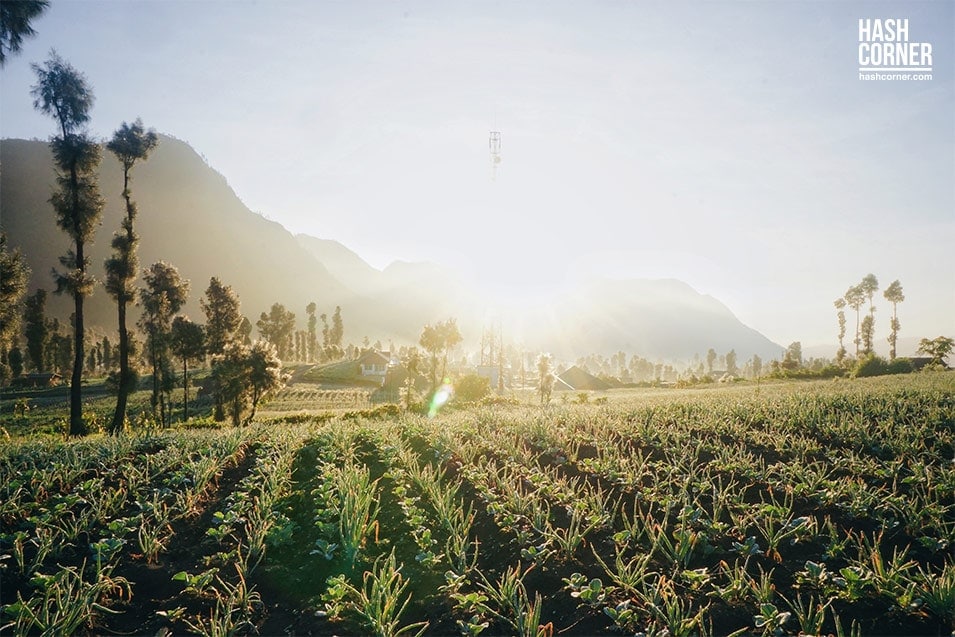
(441, 396)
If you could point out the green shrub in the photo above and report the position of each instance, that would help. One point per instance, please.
(804, 373)
(870, 365)
(203, 422)
(900, 366)
(873, 365)
(471, 388)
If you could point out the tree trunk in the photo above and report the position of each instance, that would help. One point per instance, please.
(154, 359)
(895, 331)
(858, 340)
(125, 380)
(255, 402)
(160, 391)
(119, 416)
(185, 391)
(77, 426)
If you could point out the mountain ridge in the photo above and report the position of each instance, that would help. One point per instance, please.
(190, 216)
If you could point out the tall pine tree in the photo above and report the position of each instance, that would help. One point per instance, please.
(130, 143)
(893, 294)
(63, 93)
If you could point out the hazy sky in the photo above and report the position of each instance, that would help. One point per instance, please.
(728, 144)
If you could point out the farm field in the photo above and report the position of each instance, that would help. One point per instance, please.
(814, 508)
(41, 412)
(311, 398)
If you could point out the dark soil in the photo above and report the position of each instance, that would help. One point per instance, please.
(154, 589)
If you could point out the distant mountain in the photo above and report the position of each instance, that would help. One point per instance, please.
(190, 217)
(342, 263)
(655, 318)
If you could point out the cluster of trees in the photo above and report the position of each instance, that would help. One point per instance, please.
(47, 346)
(14, 275)
(860, 298)
(855, 298)
(865, 362)
(438, 340)
(277, 327)
(243, 371)
(633, 369)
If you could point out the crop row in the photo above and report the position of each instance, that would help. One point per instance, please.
(302, 397)
(71, 517)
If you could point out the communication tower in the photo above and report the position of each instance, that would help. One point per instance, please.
(494, 144)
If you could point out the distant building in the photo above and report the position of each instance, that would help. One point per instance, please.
(920, 362)
(577, 379)
(561, 385)
(493, 374)
(374, 364)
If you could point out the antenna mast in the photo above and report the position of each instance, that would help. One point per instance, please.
(494, 144)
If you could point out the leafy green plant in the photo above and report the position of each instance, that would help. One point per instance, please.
(628, 574)
(233, 610)
(623, 616)
(379, 603)
(199, 584)
(938, 592)
(854, 582)
(592, 592)
(770, 619)
(65, 602)
(357, 507)
(810, 613)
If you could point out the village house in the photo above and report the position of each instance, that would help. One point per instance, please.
(374, 364)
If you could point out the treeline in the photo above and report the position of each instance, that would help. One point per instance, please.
(636, 370)
(863, 361)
